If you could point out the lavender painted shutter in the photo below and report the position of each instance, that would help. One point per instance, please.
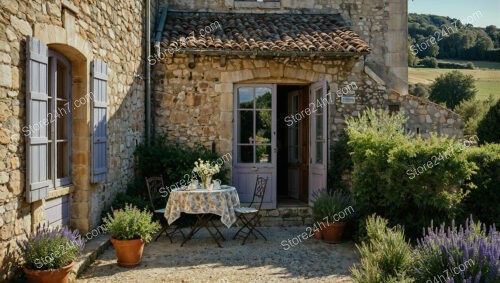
(37, 121)
(99, 88)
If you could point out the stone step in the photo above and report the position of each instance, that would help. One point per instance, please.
(287, 216)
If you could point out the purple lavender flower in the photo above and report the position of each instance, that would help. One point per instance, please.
(470, 254)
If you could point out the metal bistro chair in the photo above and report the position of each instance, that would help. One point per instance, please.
(154, 184)
(250, 215)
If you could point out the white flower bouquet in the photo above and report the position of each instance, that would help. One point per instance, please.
(205, 171)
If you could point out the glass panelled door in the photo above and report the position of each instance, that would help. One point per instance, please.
(254, 140)
(318, 137)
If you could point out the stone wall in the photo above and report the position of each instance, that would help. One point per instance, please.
(380, 23)
(82, 30)
(196, 105)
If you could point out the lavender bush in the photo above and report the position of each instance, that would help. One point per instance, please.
(50, 248)
(448, 254)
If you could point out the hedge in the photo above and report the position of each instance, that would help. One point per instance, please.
(409, 181)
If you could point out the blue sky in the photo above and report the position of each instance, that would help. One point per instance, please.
(460, 9)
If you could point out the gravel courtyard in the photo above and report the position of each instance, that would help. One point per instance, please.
(200, 260)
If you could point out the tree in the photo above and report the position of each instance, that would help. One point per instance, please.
(412, 57)
(427, 47)
(494, 34)
(453, 88)
(488, 129)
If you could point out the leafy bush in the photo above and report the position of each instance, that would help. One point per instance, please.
(341, 162)
(482, 202)
(385, 256)
(458, 255)
(429, 62)
(419, 90)
(488, 129)
(131, 223)
(396, 175)
(327, 204)
(175, 162)
(473, 111)
(50, 248)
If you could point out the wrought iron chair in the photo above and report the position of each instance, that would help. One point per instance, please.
(250, 216)
(154, 184)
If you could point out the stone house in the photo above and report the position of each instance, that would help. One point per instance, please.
(272, 82)
(236, 75)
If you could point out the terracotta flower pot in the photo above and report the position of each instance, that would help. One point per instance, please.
(317, 234)
(128, 252)
(49, 276)
(332, 232)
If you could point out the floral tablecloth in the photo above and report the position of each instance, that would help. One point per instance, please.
(218, 201)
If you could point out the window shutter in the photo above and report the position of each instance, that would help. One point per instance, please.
(99, 88)
(37, 145)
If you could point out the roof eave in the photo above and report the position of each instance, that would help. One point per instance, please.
(271, 53)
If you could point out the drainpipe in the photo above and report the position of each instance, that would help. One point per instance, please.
(148, 72)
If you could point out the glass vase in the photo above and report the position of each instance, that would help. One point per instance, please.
(206, 181)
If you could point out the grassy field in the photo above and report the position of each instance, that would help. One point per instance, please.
(487, 77)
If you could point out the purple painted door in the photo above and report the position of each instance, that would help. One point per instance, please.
(254, 140)
(317, 138)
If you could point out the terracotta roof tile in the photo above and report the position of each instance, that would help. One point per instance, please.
(324, 33)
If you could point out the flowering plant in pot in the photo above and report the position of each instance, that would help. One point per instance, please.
(329, 212)
(130, 229)
(49, 253)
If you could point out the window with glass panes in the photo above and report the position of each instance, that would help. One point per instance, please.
(59, 119)
(254, 118)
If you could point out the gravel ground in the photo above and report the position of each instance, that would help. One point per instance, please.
(200, 260)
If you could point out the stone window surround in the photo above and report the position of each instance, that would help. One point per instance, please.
(79, 52)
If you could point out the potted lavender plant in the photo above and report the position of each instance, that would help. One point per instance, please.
(50, 253)
(325, 208)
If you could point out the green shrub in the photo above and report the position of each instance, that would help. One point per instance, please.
(429, 62)
(483, 201)
(130, 223)
(129, 197)
(419, 90)
(175, 162)
(451, 65)
(396, 175)
(473, 111)
(341, 162)
(488, 129)
(385, 256)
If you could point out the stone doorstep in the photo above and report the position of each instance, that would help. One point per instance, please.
(93, 249)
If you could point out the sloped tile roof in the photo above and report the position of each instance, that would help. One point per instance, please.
(261, 33)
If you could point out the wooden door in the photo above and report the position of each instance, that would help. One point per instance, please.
(254, 140)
